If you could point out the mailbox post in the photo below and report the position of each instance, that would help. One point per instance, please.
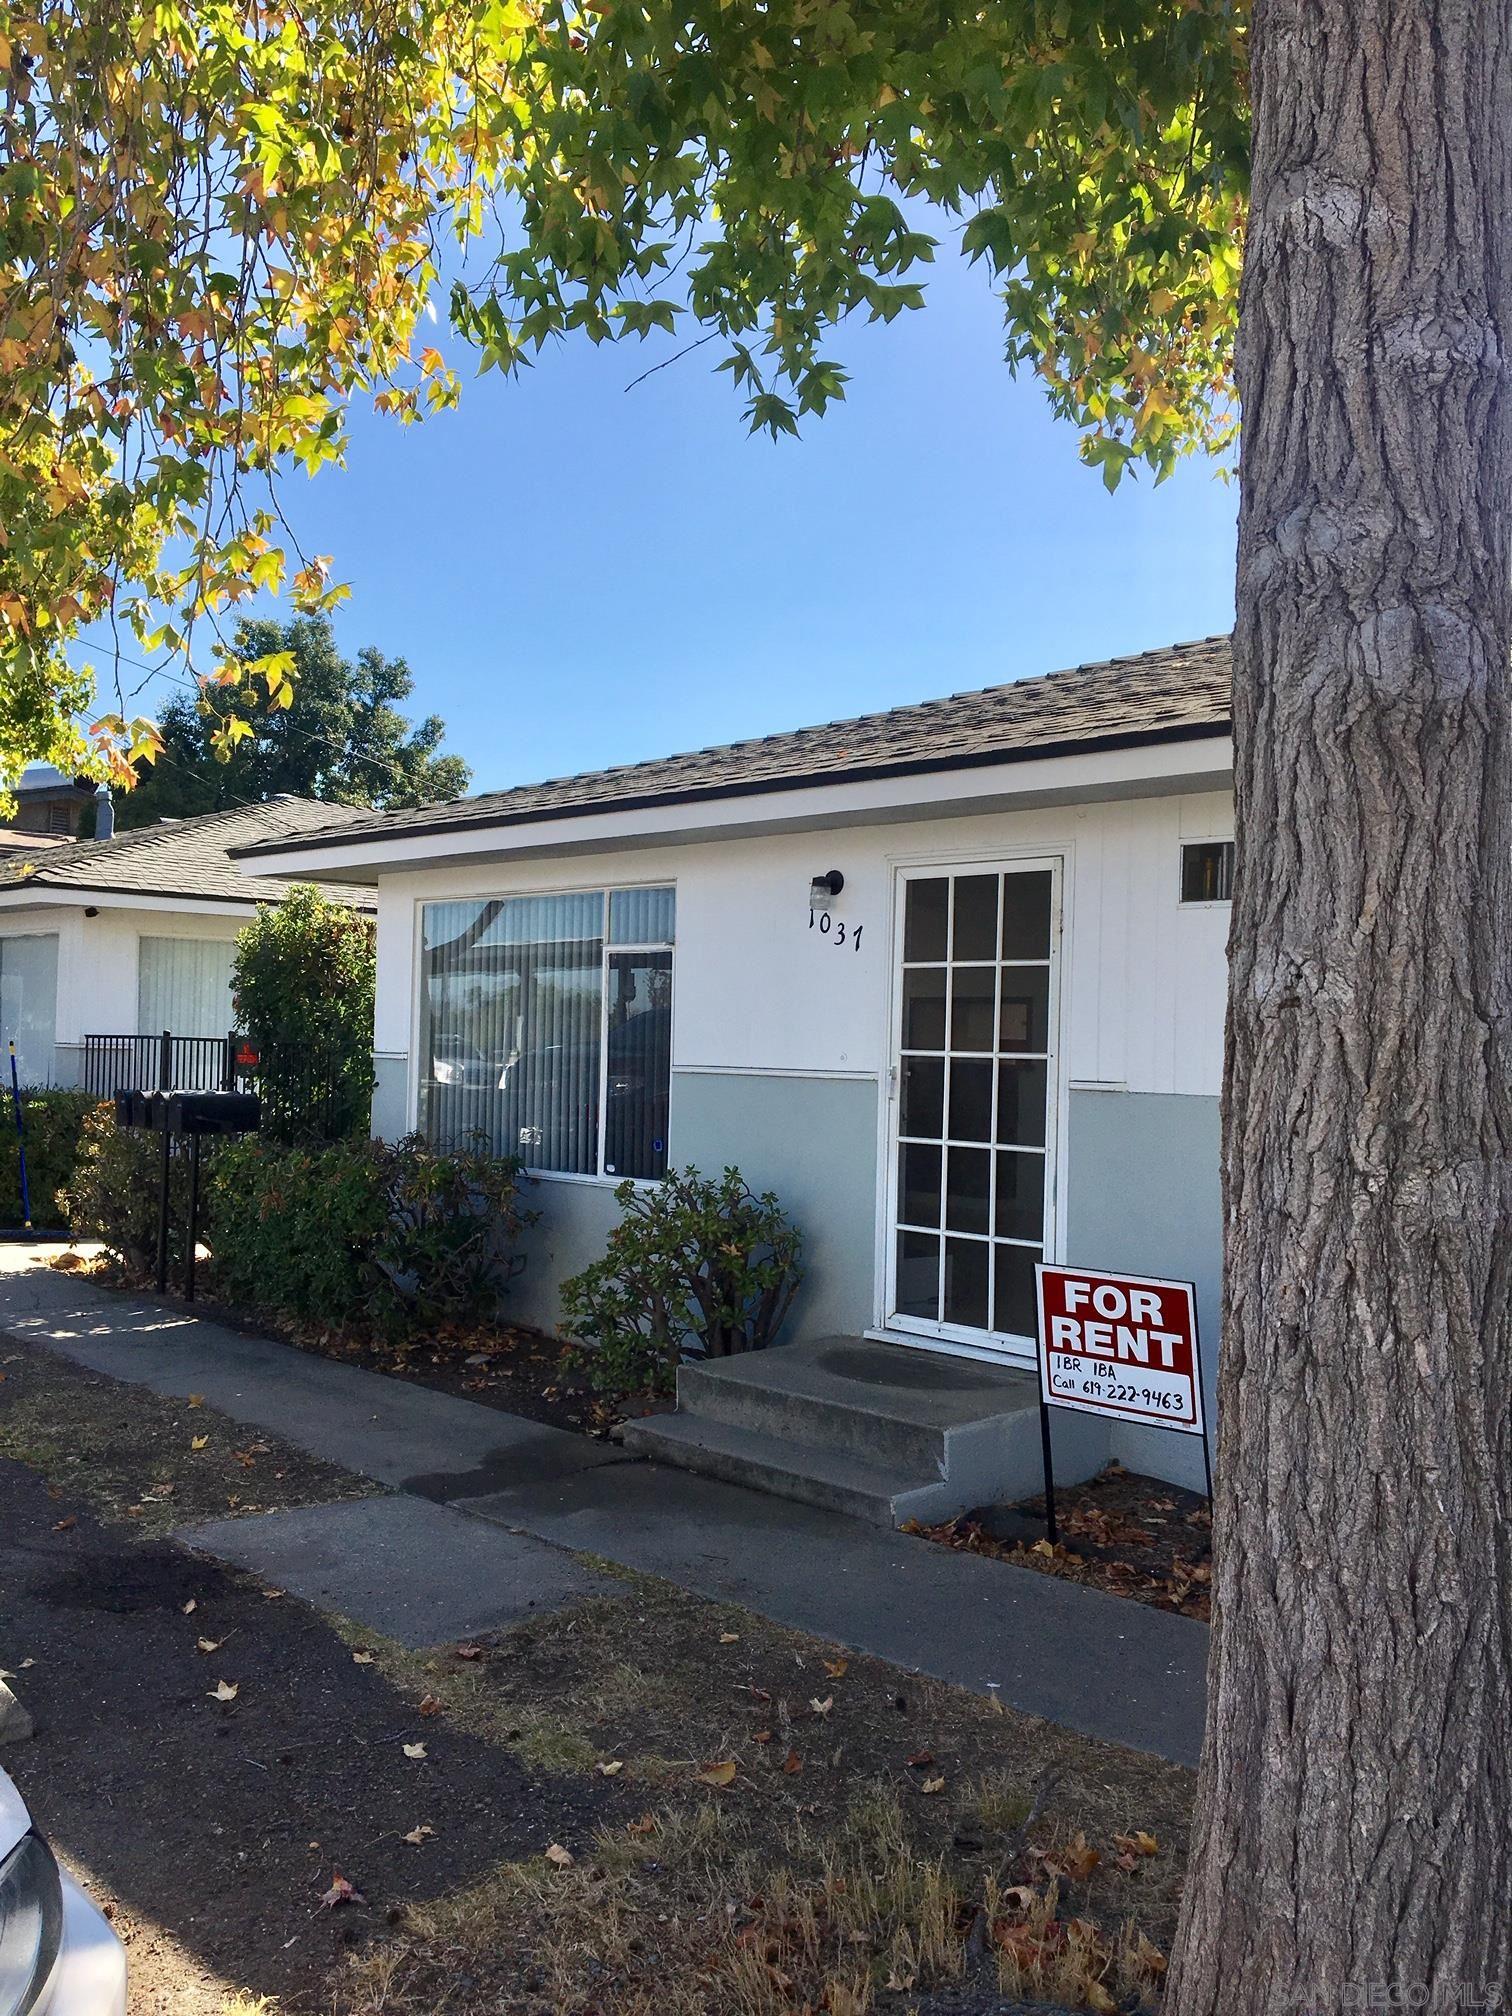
(185, 1115)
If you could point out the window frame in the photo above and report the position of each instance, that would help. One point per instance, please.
(1202, 840)
(606, 890)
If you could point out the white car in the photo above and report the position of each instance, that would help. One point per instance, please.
(58, 1957)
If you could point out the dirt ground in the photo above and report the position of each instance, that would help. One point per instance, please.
(647, 1804)
(1126, 1534)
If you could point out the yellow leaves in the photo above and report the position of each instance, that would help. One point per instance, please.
(198, 1442)
(225, 1690)
(719, 1773)
(560, 1857)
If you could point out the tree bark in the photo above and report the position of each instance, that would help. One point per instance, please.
(1354, 1820)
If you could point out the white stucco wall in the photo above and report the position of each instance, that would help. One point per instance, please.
(758, 990)
(98, 965)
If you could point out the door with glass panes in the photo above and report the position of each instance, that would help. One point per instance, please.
(972, 1179)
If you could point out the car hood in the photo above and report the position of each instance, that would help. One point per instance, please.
(14, 1818)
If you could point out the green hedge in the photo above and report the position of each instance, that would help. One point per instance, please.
(54, 1121)
(112, 1195)
(386, 1235)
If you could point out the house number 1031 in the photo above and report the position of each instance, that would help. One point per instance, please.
(836, 929)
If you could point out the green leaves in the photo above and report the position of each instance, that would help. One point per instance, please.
(220, 227)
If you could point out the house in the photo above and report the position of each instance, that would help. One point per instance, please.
(949, 980)
(131, 935)
(48, 801)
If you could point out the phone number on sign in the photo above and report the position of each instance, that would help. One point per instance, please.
(1077, 1380)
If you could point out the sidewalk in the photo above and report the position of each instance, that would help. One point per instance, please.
(1098, 1664)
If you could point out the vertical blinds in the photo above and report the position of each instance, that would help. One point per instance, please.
(543, 1035)
(184, 984)
(29, 1003)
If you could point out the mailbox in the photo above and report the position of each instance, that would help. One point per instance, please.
(212, 1112)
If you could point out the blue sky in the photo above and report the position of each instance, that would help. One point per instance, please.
(581, 575)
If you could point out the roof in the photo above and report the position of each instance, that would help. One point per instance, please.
(1157, 696)
(184, 858)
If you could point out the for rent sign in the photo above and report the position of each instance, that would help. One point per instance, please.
(1120, 1345)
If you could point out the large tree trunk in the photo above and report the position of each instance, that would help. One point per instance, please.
(1354, 1823)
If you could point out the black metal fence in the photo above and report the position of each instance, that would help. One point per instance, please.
(141, 1063)
(306, 1095)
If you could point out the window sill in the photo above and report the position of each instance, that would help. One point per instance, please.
(589, 1182)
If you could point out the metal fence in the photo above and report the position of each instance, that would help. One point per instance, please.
(138, 1063)
(306, 1095)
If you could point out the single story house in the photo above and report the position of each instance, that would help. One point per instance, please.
(134, 934)
(948, 979)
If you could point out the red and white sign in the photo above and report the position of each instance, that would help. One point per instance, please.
(1120, 1345)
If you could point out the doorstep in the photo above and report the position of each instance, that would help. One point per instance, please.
(883, 1432)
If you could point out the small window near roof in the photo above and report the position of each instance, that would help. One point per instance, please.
(1207, 871)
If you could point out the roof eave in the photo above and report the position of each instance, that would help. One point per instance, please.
(758, 787)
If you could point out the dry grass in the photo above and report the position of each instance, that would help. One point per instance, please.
(686, 1918)
(907, 1840)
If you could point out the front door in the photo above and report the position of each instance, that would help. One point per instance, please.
(971, 1186)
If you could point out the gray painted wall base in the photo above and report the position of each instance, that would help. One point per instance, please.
(1144, 1197)
(1141, 1177)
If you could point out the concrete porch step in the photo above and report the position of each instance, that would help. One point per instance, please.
(878, 1431)
(785, 1469)
(882, 1402)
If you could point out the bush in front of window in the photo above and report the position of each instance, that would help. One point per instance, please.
(383, 1235)
(697, 1267)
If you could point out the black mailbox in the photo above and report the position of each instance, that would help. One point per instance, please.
(212, 1112)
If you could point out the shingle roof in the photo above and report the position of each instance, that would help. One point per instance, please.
(1157, 696)
(183, 857)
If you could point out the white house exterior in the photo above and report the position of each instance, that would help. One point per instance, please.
(132, 935)
(1000, 1040)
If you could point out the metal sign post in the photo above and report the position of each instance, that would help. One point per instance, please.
(1120, 1345)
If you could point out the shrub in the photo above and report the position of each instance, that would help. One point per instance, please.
(290, 1229)
(113, 1193)
(695, 1267)
(452, 1222)
(387, 1232)
(303, 987)
(53, 1122)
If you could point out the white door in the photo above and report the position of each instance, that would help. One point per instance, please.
(971, 1187)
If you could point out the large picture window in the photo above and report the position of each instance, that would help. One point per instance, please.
(546, 1029)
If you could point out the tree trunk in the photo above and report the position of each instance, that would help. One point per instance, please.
(1354, 1822)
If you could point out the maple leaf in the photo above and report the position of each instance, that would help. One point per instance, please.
(224, 1690)
(611, 1768)
(417, 1836)
(340, 1892)
(414, 1751)
(560, 1857)
(208, 1644)
(721, 1772)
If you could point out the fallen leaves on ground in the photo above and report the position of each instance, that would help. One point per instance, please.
(418, 1836)
(341, 1892)
(560, 1857)
(225, 1690)
(720, 1772)
(414, 1751)
(1130, 1537)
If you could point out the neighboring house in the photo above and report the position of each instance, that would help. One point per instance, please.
(999, 1039)
(132, 935)
(48, 801)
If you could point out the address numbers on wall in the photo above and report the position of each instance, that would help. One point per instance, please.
(835, 929)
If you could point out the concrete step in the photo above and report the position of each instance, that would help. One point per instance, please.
(785, 1469)
(883, 1403)
(878, 1431)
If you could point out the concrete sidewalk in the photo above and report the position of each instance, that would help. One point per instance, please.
(1099, 1664)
